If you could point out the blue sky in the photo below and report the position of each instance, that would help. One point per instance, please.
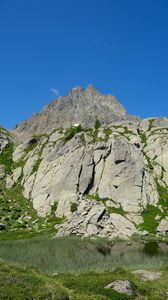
(49, 46)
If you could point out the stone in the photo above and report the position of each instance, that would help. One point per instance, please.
(148, 275)
(55, 136)
(144, 233)
(19, 151)
(17, 174)
(163, 226)
(4, 140)
(95, 214)
(121, 286)
(9, 183)
(30, 164)
(2, 171)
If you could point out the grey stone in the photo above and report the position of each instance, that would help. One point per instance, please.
(148, 275)
(2, 171)
(163, 226)
(17, 174)
(121, 286)
(9, 183)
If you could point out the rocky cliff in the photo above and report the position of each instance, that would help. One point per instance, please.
(88, 169)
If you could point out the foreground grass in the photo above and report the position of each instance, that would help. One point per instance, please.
(19, 283)
(27, 284)
(73, 255)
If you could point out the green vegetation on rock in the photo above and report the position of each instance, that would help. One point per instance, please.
(71, 132)
(150, 223)
(74, 207)
(6, 158)
(117, 210)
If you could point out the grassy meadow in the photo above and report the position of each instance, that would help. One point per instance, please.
(29, 284)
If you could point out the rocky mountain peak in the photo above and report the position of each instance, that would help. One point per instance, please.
(81, 106)
(76, 90)
(91, 90)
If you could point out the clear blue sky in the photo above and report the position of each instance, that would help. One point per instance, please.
(47, 46)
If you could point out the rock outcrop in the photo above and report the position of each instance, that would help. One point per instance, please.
(104, 174)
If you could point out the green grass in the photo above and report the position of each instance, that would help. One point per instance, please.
(6, 158)
(117, 210)
(28, 283)
(15, 209)
(149, 214)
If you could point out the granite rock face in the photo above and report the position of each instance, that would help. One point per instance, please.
(102, 173)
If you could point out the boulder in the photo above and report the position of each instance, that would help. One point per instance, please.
(17, 174)
(121, 286)
(9, 183)
(163, 226)
(148, 275)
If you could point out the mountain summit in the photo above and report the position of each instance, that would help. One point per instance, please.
(80, 106)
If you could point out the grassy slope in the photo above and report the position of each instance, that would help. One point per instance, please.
(27, 284)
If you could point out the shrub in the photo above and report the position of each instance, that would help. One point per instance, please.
(71, 132)
(74, 207)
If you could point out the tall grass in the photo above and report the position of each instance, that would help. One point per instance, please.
(72, 254)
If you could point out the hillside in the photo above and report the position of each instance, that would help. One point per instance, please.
(84, 166)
